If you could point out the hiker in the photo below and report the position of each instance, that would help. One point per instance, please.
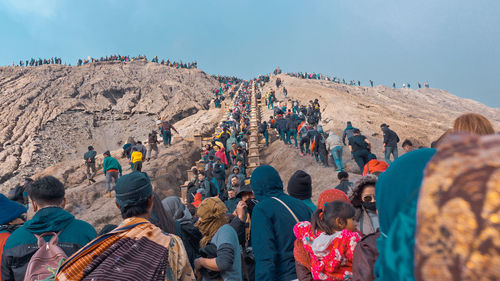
(89, 158)
(234, 182)
(348, 132)
(144, 249)
(19, 193)
(374, 166)
(407, 146)
(304, 139)
(391, 140)
(371, 83)
(291, 127)
(360, 149)
(221, 253)
(136, 160)
(300, 187)
(205, 187)
(47, 197)
(285, 91)
(232, 200)
(320, 146)
(219, 173)
(166, 130)
(12, 216)
(281, 126)
(457, 212)
(263, 130)
(345, 185)
(397, 208)
(142, 149)
(272, 223)
(186, 230)
(363, 199)
(127, 148)
(331, 242)
(301, 255)
(473, 123)
(112, 169)
(334, 145)
(152, 145)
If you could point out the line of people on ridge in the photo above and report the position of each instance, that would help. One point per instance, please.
(38, 62)
(319, 76)
(121, 58)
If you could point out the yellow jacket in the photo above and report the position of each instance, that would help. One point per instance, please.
(136, 156)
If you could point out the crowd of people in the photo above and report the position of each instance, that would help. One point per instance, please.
(39, 61)
(119, 58)
(319, 76)
(240, 226)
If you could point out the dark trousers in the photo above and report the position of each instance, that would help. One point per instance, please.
(361, 158)
(167, 137)
(137, 166)
(304, 142)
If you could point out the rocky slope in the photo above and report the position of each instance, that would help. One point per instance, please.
(51, 113)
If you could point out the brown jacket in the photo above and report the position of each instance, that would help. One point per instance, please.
(365, 256)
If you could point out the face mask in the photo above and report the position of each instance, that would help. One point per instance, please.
(370, 206)
(251, 202)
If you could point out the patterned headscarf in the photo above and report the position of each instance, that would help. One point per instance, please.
(212, 214)
(458, 218)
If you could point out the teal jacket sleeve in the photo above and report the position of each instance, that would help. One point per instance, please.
(263, 245)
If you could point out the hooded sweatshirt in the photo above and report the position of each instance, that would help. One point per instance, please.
(272, 225)
(22, 244)
(189, 234)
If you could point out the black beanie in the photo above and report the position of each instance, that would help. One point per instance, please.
(299, 185)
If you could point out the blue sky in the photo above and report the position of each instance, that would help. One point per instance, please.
(453, 44)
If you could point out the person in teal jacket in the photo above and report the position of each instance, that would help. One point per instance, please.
(48, 201)
(112, 169)
(272, 226)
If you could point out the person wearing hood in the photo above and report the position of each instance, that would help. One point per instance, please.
(334, 145)
(363, 199)
(186, 230)
(240, 176)
(273, 219)
(220, 241)
(219, 173)
(394, 248)
(348, 132)
(47, 196)
(12, 216)
(300, 187)
(391, 140)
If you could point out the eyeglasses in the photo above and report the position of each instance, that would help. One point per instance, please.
(369, 198)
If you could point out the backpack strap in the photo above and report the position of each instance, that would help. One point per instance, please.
(53, 240)
(288, 208)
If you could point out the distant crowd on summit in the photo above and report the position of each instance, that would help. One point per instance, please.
(120, 58)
